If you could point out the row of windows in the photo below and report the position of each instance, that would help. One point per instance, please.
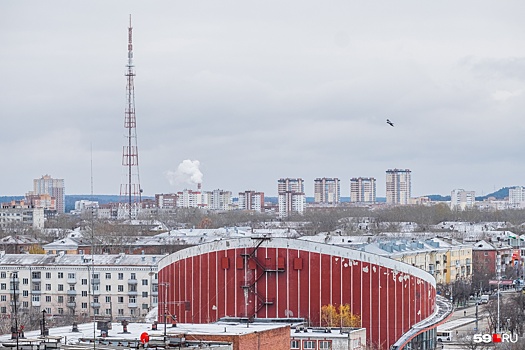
(60, 287)
(60, 310)
(311, 344)
(72, 275)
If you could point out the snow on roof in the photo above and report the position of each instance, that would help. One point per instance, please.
(76, 259)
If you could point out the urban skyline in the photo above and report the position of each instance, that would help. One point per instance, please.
(255, 93)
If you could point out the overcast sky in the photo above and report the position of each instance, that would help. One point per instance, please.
(259, 90)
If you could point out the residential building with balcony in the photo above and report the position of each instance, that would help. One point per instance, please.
(363, 190)
(291, 197)
(251, 200)
(398, 186)
(461, 199)
(123, 287)
(327, 191)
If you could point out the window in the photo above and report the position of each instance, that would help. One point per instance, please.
(308, 344)
(133, 276)
(25, 280)
(120, 287)
(108, 312)
(144, 294)
(25, 304)
(144, 282)
(84, 305)
(48, 275)
(96, 276)
(60, 287)
(25, 293)
(84, 281)
(84, 293)
(60, 275)
(96, 312)
(3, 310)
(36, 298)
(48, 286)
(121, 312)
(325, 344)
(144, 306)
(108, 299)
(71, 300)
(120, 276)
(71, 275)
(95, 299)
(3, 286)
(132, 288)
(108, 275)
(35, 275)
(120, 300)
(61, 299)
(48, 298)
(3, 298)
(3, 274)
(132, 299)
(72, 287)
(294, 344)
(108, 288)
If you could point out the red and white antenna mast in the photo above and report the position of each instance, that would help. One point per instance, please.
(130, 191)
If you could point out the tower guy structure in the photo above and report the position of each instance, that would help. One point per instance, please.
(130, 191)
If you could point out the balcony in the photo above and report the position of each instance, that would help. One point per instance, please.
(96, 292)
(95, 305)
(155, 293)
(133, 281)
(95, 281)
(133, 292)
(71, 304)
(71, 280)
(36, 292)
(132, 305)
(35, 303)
(15, 291)
(71, 292)
(36, 279)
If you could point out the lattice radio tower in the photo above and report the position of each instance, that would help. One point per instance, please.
(130, 191)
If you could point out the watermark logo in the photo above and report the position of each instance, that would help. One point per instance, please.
(495, 338)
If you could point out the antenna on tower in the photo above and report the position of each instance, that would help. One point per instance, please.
(130, 191)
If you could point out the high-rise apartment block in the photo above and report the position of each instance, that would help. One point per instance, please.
(398, 186)
(517, 195)
(251, 200)
(461, 199)
(363, 190)
(327, 190)
(219, 200)
(46, 185)
(291, 196)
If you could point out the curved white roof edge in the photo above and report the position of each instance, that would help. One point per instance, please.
(347, 253)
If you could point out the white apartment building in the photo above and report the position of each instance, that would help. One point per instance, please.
(121, 286)
(12, 217)
(219, 200)
(327, 190)
(363, 190)
(291, 196)
(461, 199)
(53, 187)
(398, 186)
(189, 199)
(251, 200)
(517, 196)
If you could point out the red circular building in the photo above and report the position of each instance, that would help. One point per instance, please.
(288, 278)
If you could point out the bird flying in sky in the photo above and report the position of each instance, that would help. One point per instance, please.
(389, 122)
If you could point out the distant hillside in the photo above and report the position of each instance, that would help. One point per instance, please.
(499, 194)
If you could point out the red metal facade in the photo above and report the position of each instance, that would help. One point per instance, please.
(282, 278)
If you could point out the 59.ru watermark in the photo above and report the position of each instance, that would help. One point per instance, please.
(495, 338)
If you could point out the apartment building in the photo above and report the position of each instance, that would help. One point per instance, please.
(166, 201)
(327, 191)
(363, 190)
(517, 196)
(461, 199)
(291, 196)
(189, 199)
(251, 200)
(398, 186)
(219, 200)
(118, 286)
(53, 187)
(17, 214)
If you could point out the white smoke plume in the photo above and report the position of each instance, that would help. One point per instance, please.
(187, 172)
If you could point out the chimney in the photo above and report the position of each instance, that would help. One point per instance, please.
(199, 185)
